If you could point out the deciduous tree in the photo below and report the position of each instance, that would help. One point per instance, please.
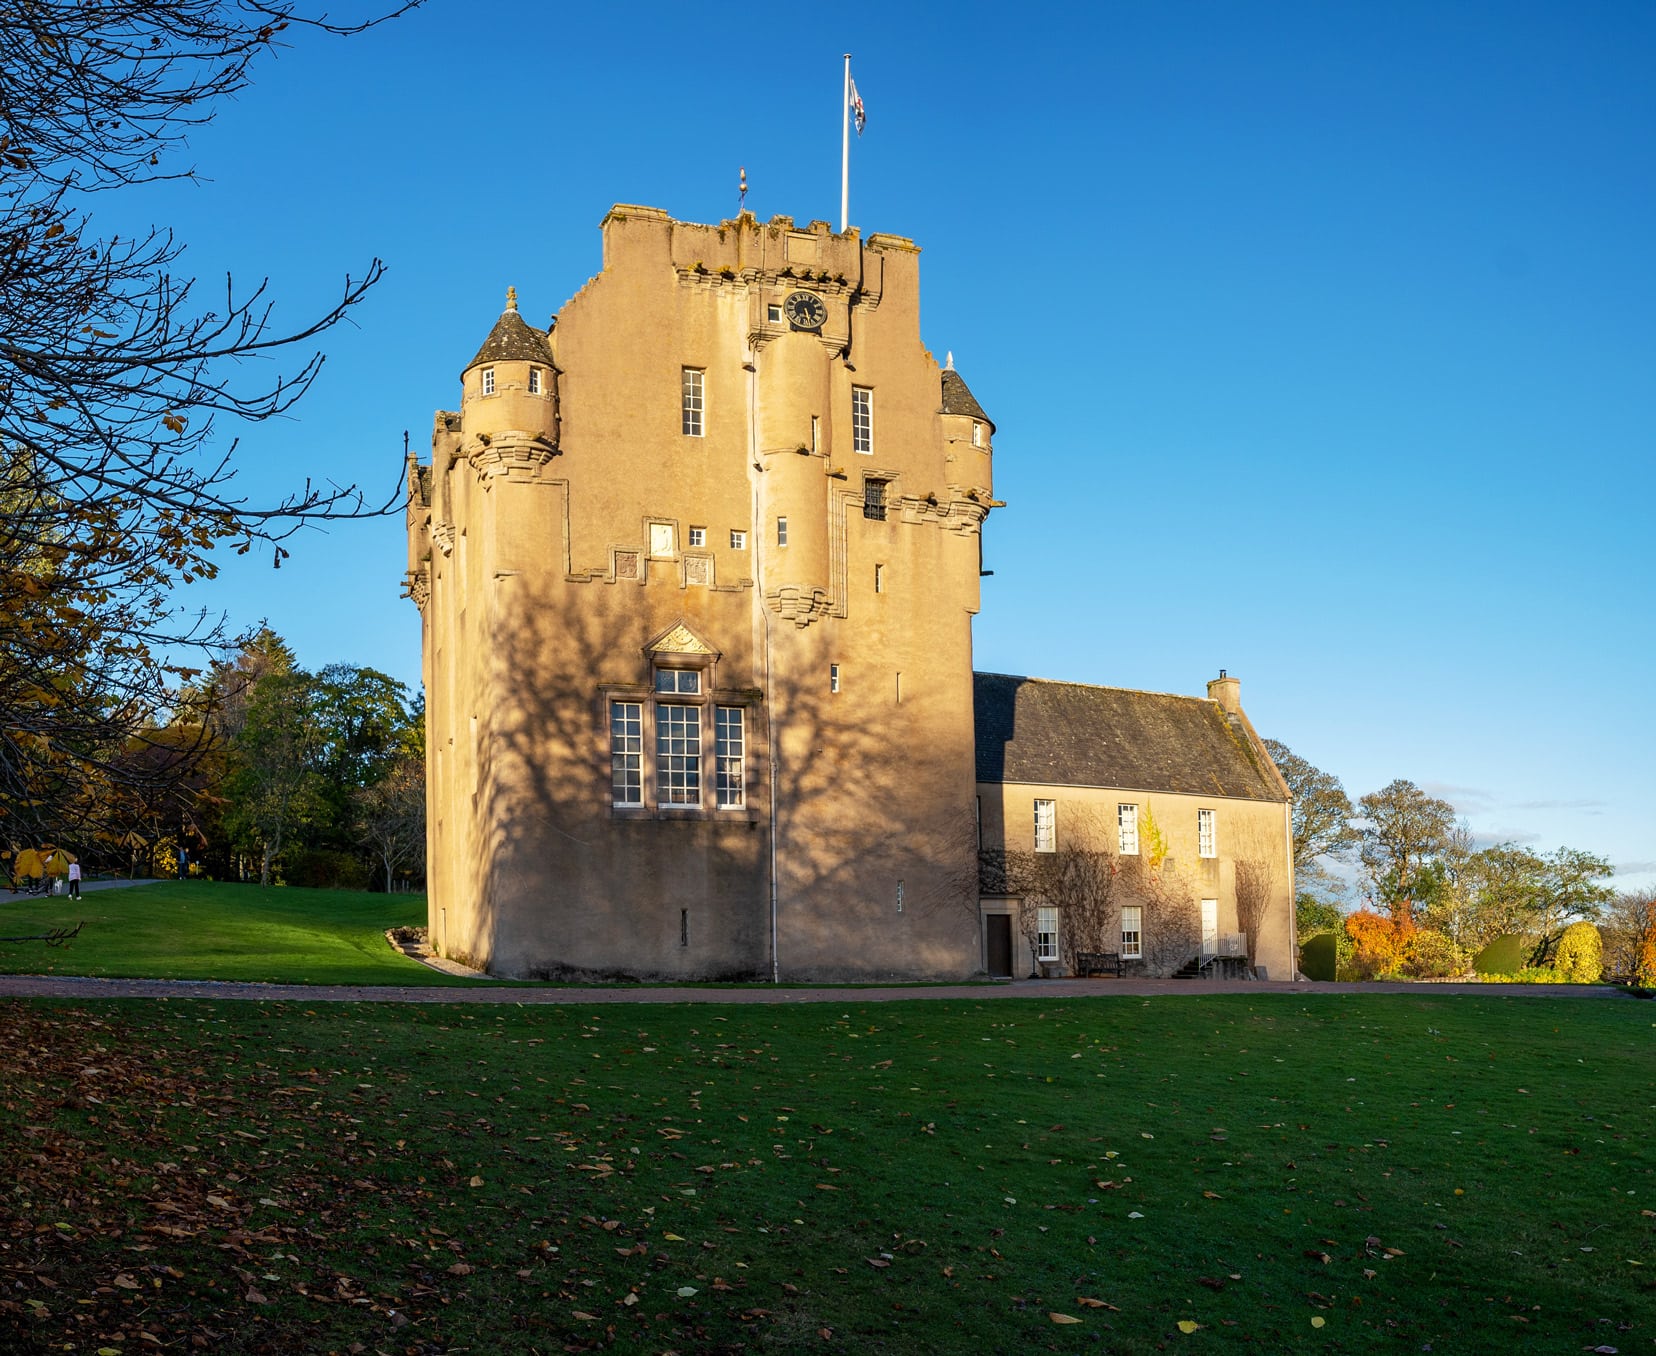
(1404, 831)
(274, 788)
(1630, 937)
(1322, 810)
(116, 477)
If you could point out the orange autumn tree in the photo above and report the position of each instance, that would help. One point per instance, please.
(1378, 942)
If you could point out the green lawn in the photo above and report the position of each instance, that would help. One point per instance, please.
(1271, 1173)
(207, 930)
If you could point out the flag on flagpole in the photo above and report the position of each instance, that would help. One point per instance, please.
(857, 114)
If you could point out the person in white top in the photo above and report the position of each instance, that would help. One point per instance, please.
(74, 880)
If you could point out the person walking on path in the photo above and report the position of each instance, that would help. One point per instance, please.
(74, 880)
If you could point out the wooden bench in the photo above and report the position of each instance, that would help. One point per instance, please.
(1088, 963)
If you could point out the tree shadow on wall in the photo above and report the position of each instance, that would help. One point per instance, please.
(542, 875)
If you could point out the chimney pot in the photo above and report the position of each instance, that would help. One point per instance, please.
(1227, 691)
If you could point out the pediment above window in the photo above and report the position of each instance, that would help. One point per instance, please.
(680, 641)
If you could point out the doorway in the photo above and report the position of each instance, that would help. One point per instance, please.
(999, 944)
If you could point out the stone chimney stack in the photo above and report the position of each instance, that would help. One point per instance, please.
(1227, 692)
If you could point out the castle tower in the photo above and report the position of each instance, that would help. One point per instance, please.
(696, 569)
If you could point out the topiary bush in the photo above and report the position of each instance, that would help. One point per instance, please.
(1580, 958)
(1504, 956)
(1319, 957)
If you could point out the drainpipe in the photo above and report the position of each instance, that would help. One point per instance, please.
(759, 548)
(1293, 891)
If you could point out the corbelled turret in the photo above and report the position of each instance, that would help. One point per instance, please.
(967, 431)
(509, 394)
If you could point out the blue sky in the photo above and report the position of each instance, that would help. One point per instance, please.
(1319, 339)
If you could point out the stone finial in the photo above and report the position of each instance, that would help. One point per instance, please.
(511, 298)
(948, 361)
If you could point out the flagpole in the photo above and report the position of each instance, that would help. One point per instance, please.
(845, 147)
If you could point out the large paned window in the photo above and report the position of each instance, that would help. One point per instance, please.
(1127, 830)
(1046, 934)
(678, 754)
(681, 722)
(627, 753)
(1132, 932)
(729, 745)
(1207, 837)
(862, 420)
(1046, 826)
(694, 401)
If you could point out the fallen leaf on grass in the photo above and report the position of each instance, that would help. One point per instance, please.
(876, 1261)
(1063, 1318)
(685, 1291)
(1317, 1320)
(1213, 1196)
(1090, 1303)
(583, 1314)
(1188, 1325)
(460, 1269)
(672, 1238)
(254, 1297)
(476, 1182)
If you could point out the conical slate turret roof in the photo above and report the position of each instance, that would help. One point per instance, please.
(512, 340)
(958, 398)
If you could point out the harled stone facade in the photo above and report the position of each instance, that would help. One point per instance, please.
(696, 568)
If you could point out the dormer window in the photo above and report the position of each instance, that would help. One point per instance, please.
(488, 381)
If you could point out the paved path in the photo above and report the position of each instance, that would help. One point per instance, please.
(52, 986)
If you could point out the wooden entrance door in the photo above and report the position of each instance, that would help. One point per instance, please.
(999, 936)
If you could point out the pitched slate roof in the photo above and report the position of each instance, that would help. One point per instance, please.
(958, 398)
(512, 340)
(1074, 734)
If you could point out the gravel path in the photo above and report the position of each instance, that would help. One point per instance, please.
(53, 986)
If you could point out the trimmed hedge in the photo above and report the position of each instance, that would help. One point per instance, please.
(1504, 956)
(1319, 956)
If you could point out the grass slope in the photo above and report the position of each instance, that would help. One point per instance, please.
(209, 930)
(1353, 1173)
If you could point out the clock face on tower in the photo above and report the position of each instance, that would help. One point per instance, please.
(805, 311)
